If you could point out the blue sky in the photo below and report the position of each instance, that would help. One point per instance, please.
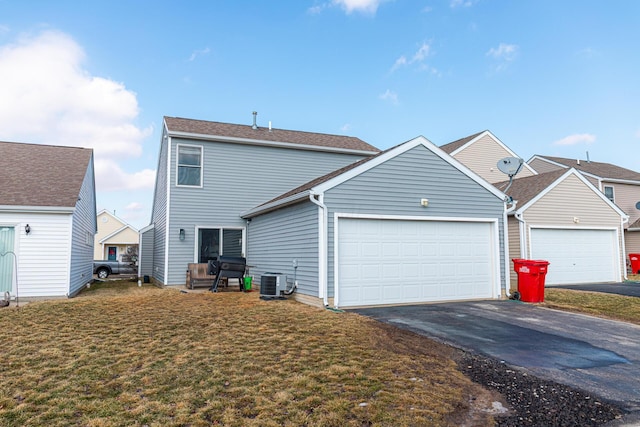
(545, 76)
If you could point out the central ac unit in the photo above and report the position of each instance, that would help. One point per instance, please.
(272, 284)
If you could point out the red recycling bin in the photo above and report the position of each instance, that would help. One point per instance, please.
(635, 263)
(531, 277)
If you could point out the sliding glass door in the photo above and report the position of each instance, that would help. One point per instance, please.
(7, 261)
(219, 241)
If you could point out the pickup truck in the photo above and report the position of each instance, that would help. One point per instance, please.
(103, 268)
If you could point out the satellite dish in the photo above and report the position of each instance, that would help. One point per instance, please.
(510, 165)
(638, 206)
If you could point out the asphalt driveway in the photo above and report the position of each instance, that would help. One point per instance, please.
(596, 355)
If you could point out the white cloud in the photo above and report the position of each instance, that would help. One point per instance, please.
(460, 3)
(111, 177)
(504, 51)
(390, 96)
(199, 52)
(134, 206)
(579, 138)
(345, 127)
(364, 6)
(503, 54)
(48, 97)
(368, 7)
(418, 57)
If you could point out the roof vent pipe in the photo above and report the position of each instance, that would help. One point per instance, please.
(255, 115)
(588, 160)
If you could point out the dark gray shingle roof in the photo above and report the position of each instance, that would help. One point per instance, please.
(603, 170)
(525, 189)
(246, 132)
(41, 175)
(453, 146)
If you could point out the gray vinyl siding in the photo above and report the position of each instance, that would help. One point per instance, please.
(279, 237)
(396, 187)
(236, 177)
(159, 216)
(146, 252)
(84, 227)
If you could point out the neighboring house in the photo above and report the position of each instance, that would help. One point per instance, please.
(116, 240)
(562, 218)
(209, 173)
(480, 153)
(620, 185)
(409, 225)
(47, 219)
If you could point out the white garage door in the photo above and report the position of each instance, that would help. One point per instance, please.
(403, 261)
(576, 256)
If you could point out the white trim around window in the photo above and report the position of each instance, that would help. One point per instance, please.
(611, 196)
(190, 150)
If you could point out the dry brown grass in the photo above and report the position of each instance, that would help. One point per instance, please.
(121, 355)
(611, 306)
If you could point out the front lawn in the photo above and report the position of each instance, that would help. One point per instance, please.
(120, 355)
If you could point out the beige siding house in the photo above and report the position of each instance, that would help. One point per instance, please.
(562, 218)
(480, 153)
(620, 185)
(115, 240)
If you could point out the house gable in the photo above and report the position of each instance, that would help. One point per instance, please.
(333, 179)
(240, 167)
(572, 201)
(481, 152)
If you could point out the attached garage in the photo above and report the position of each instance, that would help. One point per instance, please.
(397, 261)
(410, 225)
(562, 218)
(577, 255)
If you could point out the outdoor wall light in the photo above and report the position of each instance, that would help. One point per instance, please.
(424, 202)
(182, 234)
(27, 229)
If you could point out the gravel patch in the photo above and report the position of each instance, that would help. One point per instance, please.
(536, 402)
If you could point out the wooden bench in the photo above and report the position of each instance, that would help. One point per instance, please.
(197, 275)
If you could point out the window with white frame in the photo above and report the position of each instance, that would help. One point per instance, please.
(189, 165)
(608, 192)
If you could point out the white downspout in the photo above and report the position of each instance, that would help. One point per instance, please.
(624, 246)
(507, 273)
(323, 284)
(523, 235)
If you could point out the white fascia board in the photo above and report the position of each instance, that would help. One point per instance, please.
(420, 140)
(245, 141)
(147, 228)
(544, 159)
(581, 177)
(604, 181)
(277, 204)
(120, 220)
(37, 209)
(118, 231)
(497, 141)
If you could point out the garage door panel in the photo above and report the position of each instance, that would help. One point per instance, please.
(416, 261)
(577, 255)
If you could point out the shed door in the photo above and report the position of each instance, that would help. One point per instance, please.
(7, 259)
(402, 261)
(577, 256)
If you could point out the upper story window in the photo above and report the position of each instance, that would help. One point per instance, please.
(608, 192)
(190, 165)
